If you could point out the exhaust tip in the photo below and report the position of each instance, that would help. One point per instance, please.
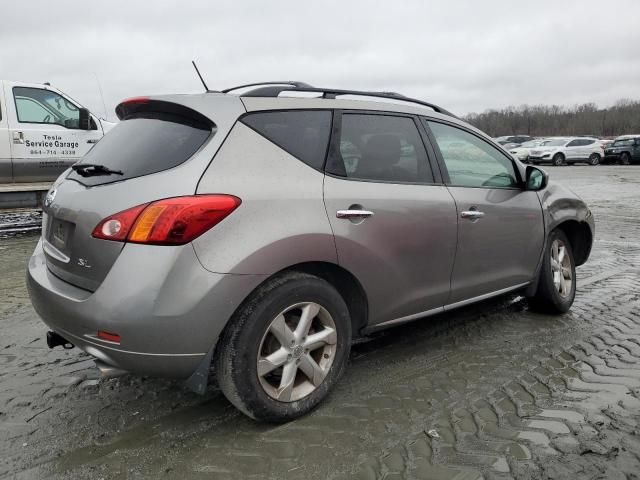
(54, 340)
(108, 371)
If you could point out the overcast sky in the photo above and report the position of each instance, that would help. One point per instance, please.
(464, 55)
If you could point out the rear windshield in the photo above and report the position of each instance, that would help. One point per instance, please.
(141, 146)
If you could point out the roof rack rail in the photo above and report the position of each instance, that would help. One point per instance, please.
(270, 90)
(292, 83)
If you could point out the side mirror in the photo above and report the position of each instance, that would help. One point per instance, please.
(85, 119)
(537, 179)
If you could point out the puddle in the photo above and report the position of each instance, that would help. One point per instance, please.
(540, 440)
(550, 425)
(568, 415)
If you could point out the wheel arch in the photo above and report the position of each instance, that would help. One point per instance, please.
(579, 236)
(348, 286)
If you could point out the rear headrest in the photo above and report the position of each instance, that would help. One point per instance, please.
(383, 147)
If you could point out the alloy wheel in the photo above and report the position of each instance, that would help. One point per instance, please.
(296, 352)
(561, 268)
(594, 159)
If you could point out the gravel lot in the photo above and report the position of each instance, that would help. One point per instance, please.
(491, 391)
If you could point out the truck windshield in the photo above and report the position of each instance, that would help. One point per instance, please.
(142, 146)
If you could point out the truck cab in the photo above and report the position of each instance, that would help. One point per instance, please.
(42, 132)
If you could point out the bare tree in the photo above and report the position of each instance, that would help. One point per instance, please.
(556, 120)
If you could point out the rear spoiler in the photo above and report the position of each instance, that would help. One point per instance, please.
(145, 107)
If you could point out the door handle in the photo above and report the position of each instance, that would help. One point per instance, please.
(18, 138)
(348, 214)
(93, 140)
(472, 214)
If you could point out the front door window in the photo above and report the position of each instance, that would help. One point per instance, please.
(37, 105)
(472, 162)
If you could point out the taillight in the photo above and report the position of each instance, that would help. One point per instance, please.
(172, 221)
(116, 227)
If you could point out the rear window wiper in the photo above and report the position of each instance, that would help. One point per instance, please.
(93, 170)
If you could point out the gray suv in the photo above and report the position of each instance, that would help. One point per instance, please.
(259, 233)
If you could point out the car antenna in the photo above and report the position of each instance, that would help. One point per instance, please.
(198, 72)
(104, 105)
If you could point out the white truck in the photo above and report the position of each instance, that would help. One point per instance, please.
(42, 132)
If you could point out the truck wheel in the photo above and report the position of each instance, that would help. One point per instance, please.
(625, 159)
(556, 282)
(594, 159)
(558, 159)
(285, 348)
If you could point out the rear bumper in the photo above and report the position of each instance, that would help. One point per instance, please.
(168, 310)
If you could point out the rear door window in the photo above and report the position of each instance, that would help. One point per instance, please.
(383, 148)
(144, 145)
(302, 133)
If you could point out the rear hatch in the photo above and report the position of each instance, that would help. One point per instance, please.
(159, 150)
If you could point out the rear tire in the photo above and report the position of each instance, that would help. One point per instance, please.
(557, 278)
(558, 159)
(594, 159)
(625, 159)
(270, 361)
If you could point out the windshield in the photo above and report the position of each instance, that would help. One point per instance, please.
(531, 143)
(623, 143)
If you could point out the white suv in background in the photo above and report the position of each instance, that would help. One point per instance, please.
(522, 151)
(568, 150)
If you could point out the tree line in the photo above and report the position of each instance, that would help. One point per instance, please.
(555, 120)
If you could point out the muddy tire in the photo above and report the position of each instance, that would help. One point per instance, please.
(625, 159)
(285, 348)
(558, 159)
(594, 159)
(557, 279)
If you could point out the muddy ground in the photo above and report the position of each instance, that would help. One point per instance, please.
(493, 391)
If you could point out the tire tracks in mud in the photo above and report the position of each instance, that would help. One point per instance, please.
(492, 391)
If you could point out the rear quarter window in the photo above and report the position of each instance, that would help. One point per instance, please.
(302, 133)
(144, 145)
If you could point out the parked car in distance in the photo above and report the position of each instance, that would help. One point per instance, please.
(606, 142)
(260, 234)
(521, 152)
(568, 150)
(624, 150)
(518, 139)
(43, 131)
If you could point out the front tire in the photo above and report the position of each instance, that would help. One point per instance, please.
(556, 282)
(558, 159)
(625, 159)
(284, 348)
(594, 159)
